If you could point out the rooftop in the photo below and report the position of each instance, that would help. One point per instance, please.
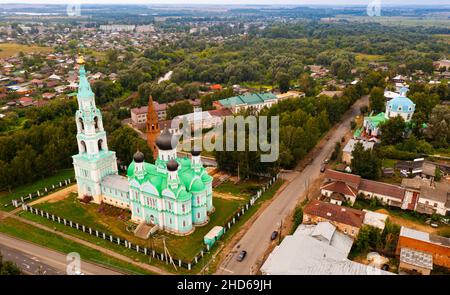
(247, 99)
(307, 252)
(424, 237)
(382, 188)
(335, 213)
(352, 179)
(416, 258)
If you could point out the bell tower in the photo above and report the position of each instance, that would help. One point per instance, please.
(152, 128)
(94, 160)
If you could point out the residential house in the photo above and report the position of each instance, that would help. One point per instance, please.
(434, 199)
(290, 94)
(347, 220)
(350, 146)
(139, 117)
(329, 93)
(340, 187)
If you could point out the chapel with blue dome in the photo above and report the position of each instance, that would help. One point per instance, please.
(398, 106)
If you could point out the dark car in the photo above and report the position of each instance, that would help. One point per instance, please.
(322, 168)
(241, 255)
(274, 235)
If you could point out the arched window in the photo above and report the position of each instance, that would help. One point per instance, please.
(81, 123)
(100, 144)
(96, 122)
(83, 147)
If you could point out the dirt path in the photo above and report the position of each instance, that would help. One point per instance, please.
(409, 223)
(227, 196)
(56, 196)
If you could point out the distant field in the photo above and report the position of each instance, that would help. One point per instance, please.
(11, 49)
(399, 20)
(443, 37)
(361, 57)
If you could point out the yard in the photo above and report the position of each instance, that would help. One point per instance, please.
(116, 221)
(24, 190)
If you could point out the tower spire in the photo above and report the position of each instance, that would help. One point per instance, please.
(153, 130)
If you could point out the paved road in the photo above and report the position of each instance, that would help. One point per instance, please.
(257, 239)
(34, 259)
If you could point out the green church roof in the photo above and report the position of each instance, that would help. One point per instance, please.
(84, 88)
(249, 99)
(377, 120)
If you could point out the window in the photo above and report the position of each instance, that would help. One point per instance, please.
(100, 144)
(183, 208)
(184, 223)
(198, 215)
(83, 147)
(198, 200)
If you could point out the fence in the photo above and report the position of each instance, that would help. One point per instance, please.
(146, 250)
(40, 193)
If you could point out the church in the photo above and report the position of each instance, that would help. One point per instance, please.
(398, 106)
(174, 194)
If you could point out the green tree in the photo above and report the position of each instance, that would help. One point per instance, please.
(392, 130)
(283, 81)
(377, 100)
(180, 108)
(365, 162)
(439, 126)
(8, 268)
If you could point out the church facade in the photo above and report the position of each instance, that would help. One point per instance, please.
(398, 106)
(174, 194)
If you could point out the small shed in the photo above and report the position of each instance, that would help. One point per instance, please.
(213, 235)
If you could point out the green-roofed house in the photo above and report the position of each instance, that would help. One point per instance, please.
(242, 102)
(174, 194)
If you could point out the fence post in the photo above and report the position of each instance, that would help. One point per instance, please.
(145, 251)
(111, 238)
(137, 248)
(118, 241)
(96, 233)
(189, 266)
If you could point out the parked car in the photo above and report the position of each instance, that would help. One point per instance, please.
(326, 161)
(274, 235)
(435, 225)
(322, 168)
(241, 255)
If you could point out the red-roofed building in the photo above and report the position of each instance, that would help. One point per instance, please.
(216, 87)
(25, 101)
(347, 220)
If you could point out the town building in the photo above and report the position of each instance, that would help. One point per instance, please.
(255, 101)
(174, 194)
(316, 250)
(437, 246)
(347, 220)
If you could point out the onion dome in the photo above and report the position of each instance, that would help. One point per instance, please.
(172, 165)
(195, 152)
(165, 139)
(138, 157)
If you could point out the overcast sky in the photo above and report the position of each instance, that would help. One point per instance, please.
(291, 2)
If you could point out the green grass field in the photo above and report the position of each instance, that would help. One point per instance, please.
(241, 189)
(35, 235)
(116, 224)
(24, 190)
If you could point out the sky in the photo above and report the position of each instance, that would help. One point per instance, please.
(225, 2)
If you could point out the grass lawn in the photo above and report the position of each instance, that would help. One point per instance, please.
(362, 57)
(115, 221)
(242, 189)
(24, 190)
(38, 236)
(11, 49)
